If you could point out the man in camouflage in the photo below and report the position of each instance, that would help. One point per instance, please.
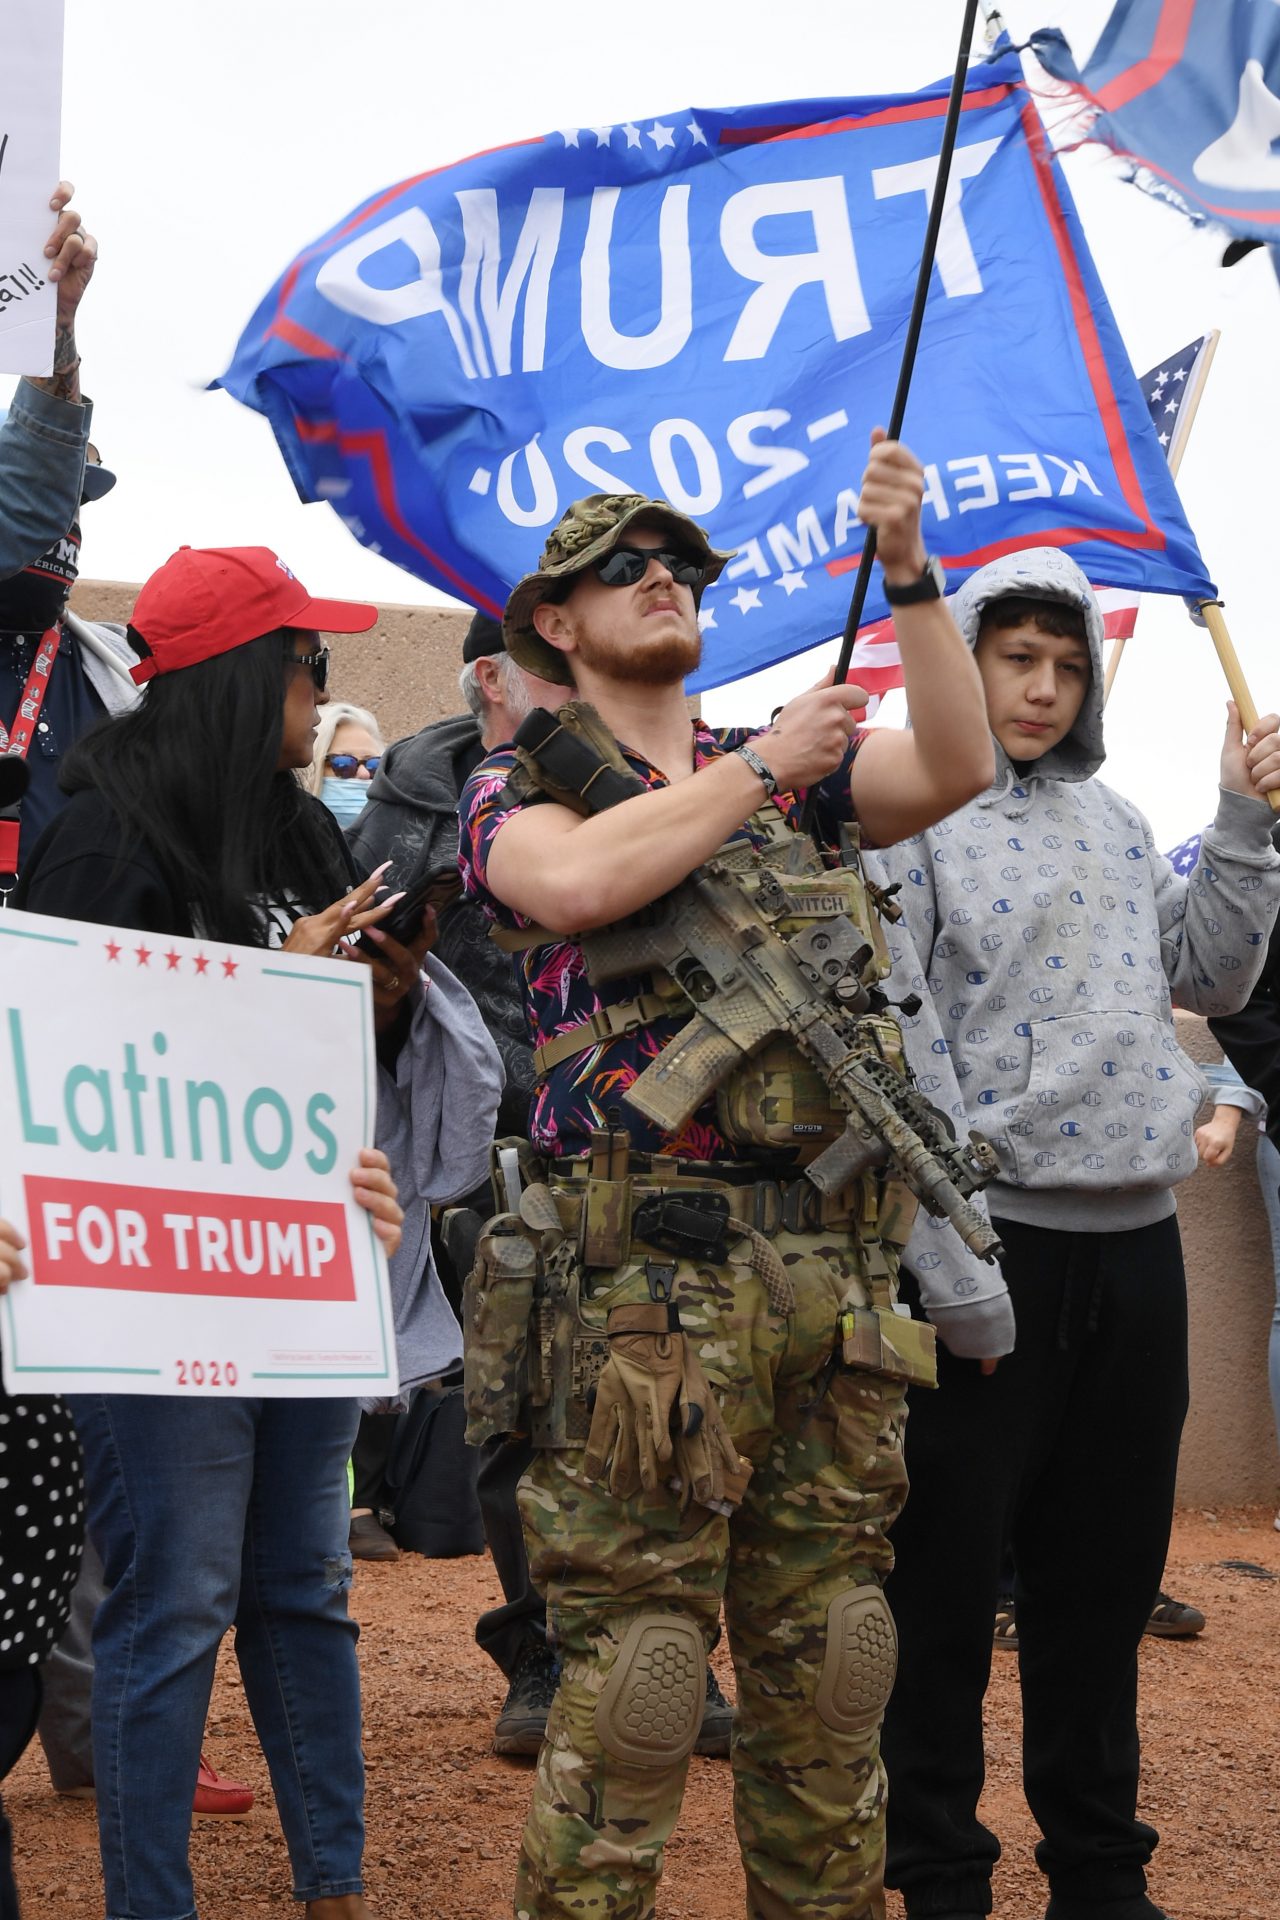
(702, 1434)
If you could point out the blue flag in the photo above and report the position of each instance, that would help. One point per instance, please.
(1189, 90)
(709, 307)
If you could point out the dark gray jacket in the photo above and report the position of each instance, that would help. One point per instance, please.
(411, 819)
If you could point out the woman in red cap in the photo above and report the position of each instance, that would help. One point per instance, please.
(185, 817)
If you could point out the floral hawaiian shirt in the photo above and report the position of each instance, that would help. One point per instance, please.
(585, 1091)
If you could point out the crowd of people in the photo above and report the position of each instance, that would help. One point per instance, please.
(648, 960)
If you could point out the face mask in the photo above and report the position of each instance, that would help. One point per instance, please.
(344, 798)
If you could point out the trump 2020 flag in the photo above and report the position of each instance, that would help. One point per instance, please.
(1189, 90)
(709, 307)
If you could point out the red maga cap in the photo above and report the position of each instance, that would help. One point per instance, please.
(207, 600)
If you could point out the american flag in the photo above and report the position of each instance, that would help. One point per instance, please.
(1182, 858)
(1167, 390)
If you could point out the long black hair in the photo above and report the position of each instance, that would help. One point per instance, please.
(191, 772)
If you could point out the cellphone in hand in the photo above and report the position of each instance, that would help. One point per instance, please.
(434, 889)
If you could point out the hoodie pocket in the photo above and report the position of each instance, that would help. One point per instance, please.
(1111, 1102)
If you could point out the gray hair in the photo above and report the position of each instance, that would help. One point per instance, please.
(515, 694)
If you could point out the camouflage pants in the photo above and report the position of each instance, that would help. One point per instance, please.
(826, 1445)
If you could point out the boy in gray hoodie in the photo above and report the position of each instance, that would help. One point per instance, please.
(1052, 941)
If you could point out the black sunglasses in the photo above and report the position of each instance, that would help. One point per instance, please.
(347, 765)
(626, 566)
(317, 663)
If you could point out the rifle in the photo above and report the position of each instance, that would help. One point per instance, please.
(748, 984)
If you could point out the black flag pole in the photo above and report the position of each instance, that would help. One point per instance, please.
(912, 341)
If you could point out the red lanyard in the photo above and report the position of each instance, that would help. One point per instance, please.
(18, 739)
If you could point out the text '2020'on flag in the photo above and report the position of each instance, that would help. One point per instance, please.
(1190, 91)
(709, 307)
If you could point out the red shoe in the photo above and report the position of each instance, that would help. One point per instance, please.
(219, 1799)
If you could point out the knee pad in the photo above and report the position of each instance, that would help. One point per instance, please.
(861, 1661)
(651, 1708)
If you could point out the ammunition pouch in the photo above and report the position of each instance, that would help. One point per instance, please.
(777, 1099)
(882, 1341)
(497, 1312)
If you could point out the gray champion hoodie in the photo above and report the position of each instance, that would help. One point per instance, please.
(1050, 941)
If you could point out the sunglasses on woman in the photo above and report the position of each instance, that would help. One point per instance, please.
(317, 664)
(626, 566)
(347, 765)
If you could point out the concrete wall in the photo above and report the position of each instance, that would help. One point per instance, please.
(1229, 1452)
(406, 672)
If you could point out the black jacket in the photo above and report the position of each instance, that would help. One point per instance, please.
(82, 868)
(1251, 1038)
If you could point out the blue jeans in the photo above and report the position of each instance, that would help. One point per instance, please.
(1269, 1182)
(207, 1514)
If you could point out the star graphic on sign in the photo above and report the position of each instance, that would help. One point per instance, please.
(1181, 374)
(791, 582)
(633, 135)
(173, 960)
(662, 136)
(113, 950)
(201, 963)
(144, 955)
(570, 135)
(745, 599)
(1171, 406)
(603, 135)
(698, 137)
(229, 967)
(706, 619)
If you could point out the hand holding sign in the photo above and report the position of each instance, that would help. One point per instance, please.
(12, 1266)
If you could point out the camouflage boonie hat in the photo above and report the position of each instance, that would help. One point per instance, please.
(585, 531)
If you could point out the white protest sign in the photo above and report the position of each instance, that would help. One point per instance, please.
(178, 1120)
(30, 130)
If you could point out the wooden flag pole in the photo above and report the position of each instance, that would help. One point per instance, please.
(1210, 612)
(1190, 408)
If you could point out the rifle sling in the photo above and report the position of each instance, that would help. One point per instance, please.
(609, 1023)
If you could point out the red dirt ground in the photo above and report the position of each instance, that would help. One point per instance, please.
(444, 1815)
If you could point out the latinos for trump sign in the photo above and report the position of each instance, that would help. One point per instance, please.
(710, 307)
(175, 1148)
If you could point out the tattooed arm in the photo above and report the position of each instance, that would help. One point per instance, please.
(42, 443)
(72, 254)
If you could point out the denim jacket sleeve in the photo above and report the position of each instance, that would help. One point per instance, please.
(42, 447)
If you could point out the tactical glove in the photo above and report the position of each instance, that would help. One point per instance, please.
(636, 1394)
(709, 1468)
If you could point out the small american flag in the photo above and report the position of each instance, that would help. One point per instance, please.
(1167, 389)
(1183, 858)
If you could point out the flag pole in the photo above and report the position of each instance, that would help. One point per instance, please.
(1190, 408)
(1210, 612)
(936, 206)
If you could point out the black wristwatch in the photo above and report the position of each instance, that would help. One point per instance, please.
(931, 585)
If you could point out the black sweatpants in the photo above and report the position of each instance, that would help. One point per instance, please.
(1070, 1448)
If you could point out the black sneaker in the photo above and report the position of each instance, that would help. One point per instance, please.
(717, 1723)
(1174, 1619)
(523, 1721)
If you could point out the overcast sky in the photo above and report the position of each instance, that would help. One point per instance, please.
(208, 145)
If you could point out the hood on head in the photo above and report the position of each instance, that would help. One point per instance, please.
(1044, 573)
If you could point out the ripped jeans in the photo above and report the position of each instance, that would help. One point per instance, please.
(212, 1513)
